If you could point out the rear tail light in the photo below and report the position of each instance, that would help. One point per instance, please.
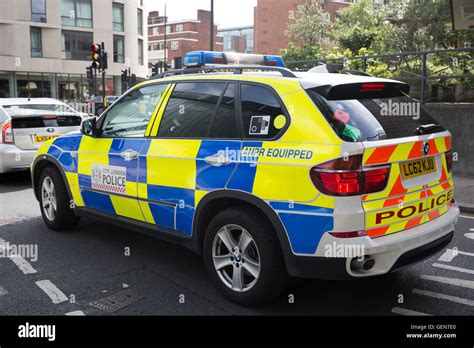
(7, 132)
(449, 161)
(346, 177)
(353, 234)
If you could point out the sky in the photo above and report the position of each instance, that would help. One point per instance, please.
(226, 13)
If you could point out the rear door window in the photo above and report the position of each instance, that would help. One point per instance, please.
(374, 119)
(263, 115)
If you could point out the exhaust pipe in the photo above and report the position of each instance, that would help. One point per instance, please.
(366, 264)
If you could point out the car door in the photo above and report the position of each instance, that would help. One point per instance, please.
(108, 164)
(195, 137)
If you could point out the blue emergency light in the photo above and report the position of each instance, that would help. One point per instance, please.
(201, 58)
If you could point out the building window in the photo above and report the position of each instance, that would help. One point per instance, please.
(174, 45)
(179, 27)
(77, 45)
(156, 31)
(117, 15)
(140, 51)
(140, 21)
(119, 49)
(76, 13)
(168, 29)
(38, 11)
(36, 43)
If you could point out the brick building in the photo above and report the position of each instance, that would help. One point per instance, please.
(271, 18)
(182, 36)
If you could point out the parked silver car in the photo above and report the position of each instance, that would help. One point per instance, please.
(28, 122)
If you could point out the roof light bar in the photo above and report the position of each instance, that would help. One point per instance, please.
(201, 58)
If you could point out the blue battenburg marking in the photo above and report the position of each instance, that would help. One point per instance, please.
(184, 220)
(209, 177)
(305, 231)
(69, 142)
(54, 151)
(142, 163)
(172, 195)
(98, 201)
(68, 162)
(244, 177)
(84, 180)
(163, 215)
(297, 207)
(115, 159)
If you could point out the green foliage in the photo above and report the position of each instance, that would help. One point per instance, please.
(310, 26)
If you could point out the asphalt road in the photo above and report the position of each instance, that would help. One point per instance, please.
(115, 266)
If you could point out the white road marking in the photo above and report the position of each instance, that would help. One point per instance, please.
(453, 268)
(403, 311)
(56, 295)
(469, 235)
(21, 263)
(467, 216)
(440, 296)
(451, 281)
(75, 313)
(448, 255)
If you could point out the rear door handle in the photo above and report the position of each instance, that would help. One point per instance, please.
(129, 155)
(217, 160)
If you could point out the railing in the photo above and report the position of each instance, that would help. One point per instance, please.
(412, 67)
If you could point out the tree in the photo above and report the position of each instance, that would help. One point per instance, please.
(359, 26)
(310, 26)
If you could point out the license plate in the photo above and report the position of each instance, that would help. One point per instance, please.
(418, 167)
(43, 138)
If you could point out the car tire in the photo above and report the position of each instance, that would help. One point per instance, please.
(263, 250)
(55, 204)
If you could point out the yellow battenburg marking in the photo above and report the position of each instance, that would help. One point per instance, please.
(127, 207)
(177, 171)
(164, 102)
(145, 207)
(72, 179)
(131, 188)
(93, 151)
(284, 183)
(44, 148)
(77, 196)
(304, 129)
(143, 190)
(198, 195)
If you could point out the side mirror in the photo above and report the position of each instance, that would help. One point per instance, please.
(89, 127)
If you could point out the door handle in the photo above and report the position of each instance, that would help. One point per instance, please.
(129, 155)
(217, 160)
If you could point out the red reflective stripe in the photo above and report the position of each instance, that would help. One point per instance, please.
(413, 222)
(433, 148)
(447, 141)
(381, 154)
(415, 151)
(375, 232)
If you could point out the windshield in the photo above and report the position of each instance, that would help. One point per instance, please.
(374, 119)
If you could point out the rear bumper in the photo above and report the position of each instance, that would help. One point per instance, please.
(13, 158)
(390, 252)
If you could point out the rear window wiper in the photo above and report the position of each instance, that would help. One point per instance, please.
(426, 128)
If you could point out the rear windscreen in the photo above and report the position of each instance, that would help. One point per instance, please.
(40, 122)
(374, 119)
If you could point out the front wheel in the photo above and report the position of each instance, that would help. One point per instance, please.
(55, 202)
(243, 257)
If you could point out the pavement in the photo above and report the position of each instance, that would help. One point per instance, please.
(464, 192)
(100, 269)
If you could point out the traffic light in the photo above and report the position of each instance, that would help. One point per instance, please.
(90, 73)
(96, 56)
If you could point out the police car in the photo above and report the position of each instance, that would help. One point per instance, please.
(267, 173)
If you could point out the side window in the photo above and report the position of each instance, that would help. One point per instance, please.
(263, 116)
(130, 116)
(190, 110)
(224, 125)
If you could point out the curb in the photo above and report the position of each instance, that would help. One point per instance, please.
(466, 208)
